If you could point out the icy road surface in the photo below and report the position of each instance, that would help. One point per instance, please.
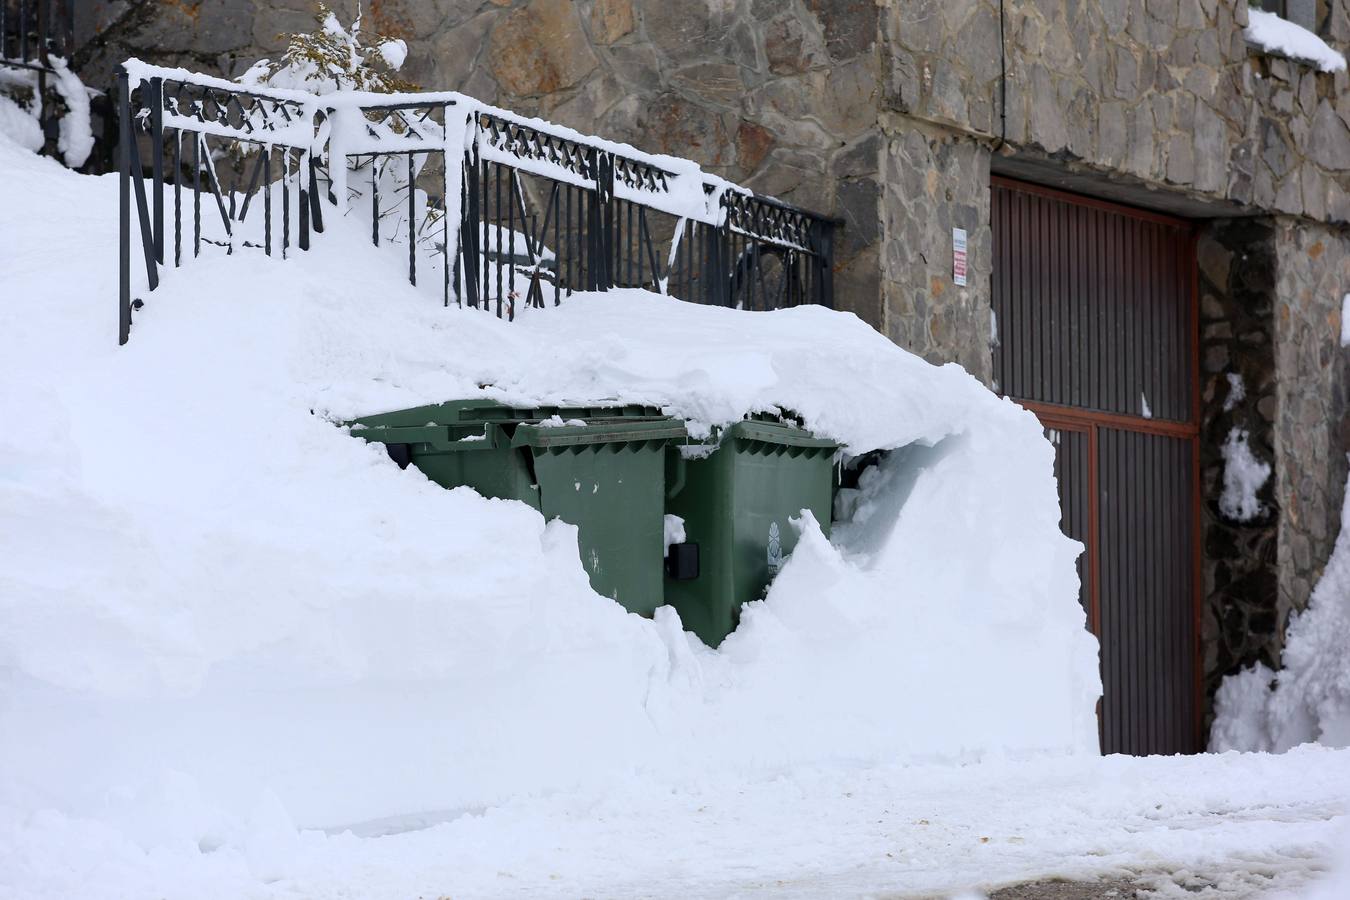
(1254, 825)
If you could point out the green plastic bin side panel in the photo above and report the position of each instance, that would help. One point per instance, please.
(736, 504)
(706, 503)
(614, 493)
(607, 476)
(502, 473)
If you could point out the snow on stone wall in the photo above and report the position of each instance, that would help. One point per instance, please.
(1309, 698)
(1243, 476)
(1312, 380)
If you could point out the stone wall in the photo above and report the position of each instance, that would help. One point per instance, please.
(1271, 293)
(1240, 614)
(934, 181)
(1159, 103)
(1165, 92)
(1312, 373)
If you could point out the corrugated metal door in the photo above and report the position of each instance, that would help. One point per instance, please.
(1096, 318)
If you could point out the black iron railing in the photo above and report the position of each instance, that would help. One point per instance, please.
(495, 212)
(31, 31)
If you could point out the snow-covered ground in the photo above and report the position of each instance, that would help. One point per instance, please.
(1238, 826)
(239, 648)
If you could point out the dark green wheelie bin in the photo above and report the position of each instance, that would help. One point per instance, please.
(600, 469)
(736, 502)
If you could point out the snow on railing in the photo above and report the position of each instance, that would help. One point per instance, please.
(37, 38)
(495, 209)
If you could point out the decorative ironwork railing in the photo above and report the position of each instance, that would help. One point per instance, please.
(33, 30)
(494, 211)
(32, 33)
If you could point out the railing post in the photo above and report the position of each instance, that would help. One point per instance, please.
(132, 156)
(316, 207)
(716, 275)
(412, 221)
(600, 224)
(68, 49)
(822, 240)
(124, 207)
(44, 27)
(304, 172)
(157, 162)
(470, 232)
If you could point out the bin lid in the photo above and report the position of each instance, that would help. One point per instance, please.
(553, 431)
(472, 412)
(771, 432)
(764, 429)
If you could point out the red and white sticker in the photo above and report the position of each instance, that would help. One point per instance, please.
(959, 257)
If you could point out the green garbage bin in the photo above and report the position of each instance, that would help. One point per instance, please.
(600, 469)
(736, 503)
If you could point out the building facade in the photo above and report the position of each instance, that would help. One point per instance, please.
(1155, 217)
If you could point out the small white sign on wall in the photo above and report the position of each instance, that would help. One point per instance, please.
(959, 257)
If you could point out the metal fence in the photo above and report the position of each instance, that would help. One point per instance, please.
(33, 30)
(188, 127)
(31, 33)
(492, 211)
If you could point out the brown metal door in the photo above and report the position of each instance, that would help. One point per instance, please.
(1096, 318)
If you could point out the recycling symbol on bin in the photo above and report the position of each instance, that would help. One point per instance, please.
(775, 549)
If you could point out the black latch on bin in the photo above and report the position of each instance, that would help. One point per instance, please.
(682, 561)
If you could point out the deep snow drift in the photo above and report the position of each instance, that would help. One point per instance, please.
(209, 578)
(221, 615)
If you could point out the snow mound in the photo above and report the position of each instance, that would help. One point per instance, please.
(1277, 35)
(222, 616)
(18, 126)
(1309, 699)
